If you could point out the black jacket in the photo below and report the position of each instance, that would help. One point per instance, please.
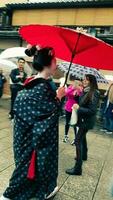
(87, 111)
(15, 79)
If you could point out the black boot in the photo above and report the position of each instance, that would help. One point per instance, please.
(84, 158)
(85, 155)
(74, 171)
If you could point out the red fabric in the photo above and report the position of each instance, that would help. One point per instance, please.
(32, 167)
(91, 52)
(28, 80)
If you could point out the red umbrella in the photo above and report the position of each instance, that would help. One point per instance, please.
(71, 45)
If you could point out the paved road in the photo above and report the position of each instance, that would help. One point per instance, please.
(97, 171)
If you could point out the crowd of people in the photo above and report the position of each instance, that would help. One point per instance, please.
(35, 108)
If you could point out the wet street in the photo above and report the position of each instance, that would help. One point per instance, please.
(95, 182)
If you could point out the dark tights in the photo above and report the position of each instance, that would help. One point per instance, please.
(81, 145)
(68, 118)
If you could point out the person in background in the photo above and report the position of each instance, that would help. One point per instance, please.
(62, 82)
(17, 78)
(2, 81)
(36, 134)
(73, 92)
(108, 112)
(87, 109)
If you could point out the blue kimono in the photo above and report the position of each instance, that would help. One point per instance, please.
(35, 128)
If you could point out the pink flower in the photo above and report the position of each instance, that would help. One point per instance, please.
(29, 46)
(38, 47)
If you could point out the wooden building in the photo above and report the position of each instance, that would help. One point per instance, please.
(94, 15)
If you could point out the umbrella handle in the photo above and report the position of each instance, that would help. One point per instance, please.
(72, 57)
(68, 72)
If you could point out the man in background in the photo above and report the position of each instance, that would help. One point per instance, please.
(2, 81)
(17, 78)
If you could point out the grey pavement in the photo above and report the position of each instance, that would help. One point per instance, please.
(97, 176)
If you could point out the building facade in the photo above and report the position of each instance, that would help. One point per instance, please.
(94, 15)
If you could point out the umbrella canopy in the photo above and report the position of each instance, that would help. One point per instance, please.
(109, 77)
(79, 71)
(13, 52)
(7, 64)
(71, 45)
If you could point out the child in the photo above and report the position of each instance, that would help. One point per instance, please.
(72, 94)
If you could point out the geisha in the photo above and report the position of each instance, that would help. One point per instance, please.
(36, 112)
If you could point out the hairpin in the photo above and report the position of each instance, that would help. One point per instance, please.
(38, 47)
(51, 53)
(29, 46)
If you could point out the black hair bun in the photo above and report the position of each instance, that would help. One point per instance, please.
(31, 52)
(42, 57)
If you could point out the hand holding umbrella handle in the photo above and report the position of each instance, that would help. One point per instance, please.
(60, 92)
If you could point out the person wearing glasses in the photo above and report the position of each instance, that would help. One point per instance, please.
(17, 78)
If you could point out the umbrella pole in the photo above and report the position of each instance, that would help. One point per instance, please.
(68, 71)
(72, 57)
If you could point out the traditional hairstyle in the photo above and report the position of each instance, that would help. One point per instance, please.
(110, 93)
(42, 57)
(93, 86)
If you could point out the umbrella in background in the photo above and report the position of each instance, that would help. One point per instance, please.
(71, 46)
(7, 64)
(12, 54)
(15, 52)
(78, 72)
(109, 77)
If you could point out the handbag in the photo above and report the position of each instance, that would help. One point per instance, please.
(74, 118)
